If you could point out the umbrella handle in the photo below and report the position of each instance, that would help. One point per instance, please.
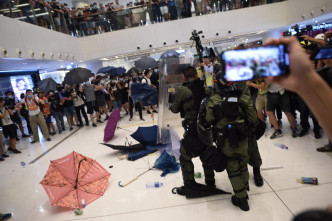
(120, 185)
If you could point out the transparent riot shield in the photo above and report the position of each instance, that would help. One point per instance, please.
(171, 69)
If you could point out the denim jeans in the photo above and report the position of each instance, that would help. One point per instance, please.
(58, 116)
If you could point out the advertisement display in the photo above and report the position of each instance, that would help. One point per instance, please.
(20, 84)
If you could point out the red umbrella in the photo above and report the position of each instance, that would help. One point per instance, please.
(75, 180)
(111, 125)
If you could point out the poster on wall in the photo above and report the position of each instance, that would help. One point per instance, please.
(20, 84)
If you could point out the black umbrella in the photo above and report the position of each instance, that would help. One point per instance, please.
(133, 70)
(146, 63)
(170, 53)
(77, 76)
(47, 84)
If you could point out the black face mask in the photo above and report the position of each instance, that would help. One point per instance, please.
(134, 79)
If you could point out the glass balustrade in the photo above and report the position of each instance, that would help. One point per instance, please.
(97, 19)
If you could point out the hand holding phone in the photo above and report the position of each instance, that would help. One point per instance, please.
(255, 63)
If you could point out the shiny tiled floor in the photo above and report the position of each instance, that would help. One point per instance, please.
(279, 199)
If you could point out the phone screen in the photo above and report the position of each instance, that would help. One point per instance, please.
(324, 53)
(253, 63)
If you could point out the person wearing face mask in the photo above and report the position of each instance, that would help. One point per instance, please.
(68, 108)
(124, 94)
(89, 92)
(56, 109)
(44, 106)
(134, 80)
(79, 106)
(10, 101)
(114, 91)
(100, 95)
(108, 95)
(25, 113)
(36, 117)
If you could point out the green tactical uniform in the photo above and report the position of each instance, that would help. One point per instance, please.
(255, 159)
(184, 102)
(237, 157)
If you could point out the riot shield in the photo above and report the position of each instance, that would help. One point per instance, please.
(170, 77)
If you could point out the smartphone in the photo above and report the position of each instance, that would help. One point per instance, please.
(322, 53)
(256, 63)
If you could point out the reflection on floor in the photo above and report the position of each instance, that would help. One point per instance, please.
(279, 199)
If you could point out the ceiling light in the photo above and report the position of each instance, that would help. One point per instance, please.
(24, 63)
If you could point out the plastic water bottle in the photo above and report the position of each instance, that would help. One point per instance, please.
(307, 180)
(22, 164)
(83, 203)
(154, 184)
(282, 146)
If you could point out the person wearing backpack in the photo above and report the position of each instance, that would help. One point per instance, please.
(56, 110)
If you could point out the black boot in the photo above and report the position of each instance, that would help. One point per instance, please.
(258, 177)
(241, 203)
(210, 183)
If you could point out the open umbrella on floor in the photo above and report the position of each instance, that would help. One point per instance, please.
(111, 125)
(47, 84)
(75, 180)
(146, 63)
(77, 76)
(146, 135)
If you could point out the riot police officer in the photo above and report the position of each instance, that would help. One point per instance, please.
(186, 100)
(229, 110)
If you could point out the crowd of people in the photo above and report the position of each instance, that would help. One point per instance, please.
(95, 97)
(99, 18)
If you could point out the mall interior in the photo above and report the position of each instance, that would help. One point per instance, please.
(66, 173)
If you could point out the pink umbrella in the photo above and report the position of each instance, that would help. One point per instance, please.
(111, 125)
(75, 181)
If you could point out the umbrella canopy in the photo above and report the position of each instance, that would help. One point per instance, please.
(77, 76)
(170, 53)
(111, 125)
(167, 164)
(133, 70)
(131, 148)
(113, 71)
(145, 93)
(146, 135)
(47, 84)
(146, 63)
(73, 179)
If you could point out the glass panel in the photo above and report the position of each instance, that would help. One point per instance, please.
(97, 19)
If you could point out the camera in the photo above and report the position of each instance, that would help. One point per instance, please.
(195, 37)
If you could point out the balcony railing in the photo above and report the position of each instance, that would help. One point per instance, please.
(93, 20)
